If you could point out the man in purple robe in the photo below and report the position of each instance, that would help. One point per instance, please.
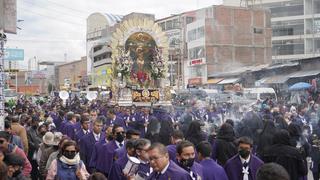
(95, 161)
(114, 119)
(130, 135)
(106, 155)
(69, 128)
(116, 171)
(87, 142)
(244, 165)
(163, 167)
(57, 119)
(141, 147)
(186, 159)
(211, 169)
(176, 137)
(85, 122)
(143, 121)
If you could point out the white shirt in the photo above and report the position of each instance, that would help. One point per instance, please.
(96, 136)
(165, 168)
(118, 144)
(85, 131)
(245, 171)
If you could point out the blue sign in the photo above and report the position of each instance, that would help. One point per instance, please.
(14, 54)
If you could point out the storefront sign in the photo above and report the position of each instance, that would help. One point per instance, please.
(195, 62)
(195, 81)
(145, 95)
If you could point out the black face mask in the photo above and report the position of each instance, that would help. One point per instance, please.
(119, 137)
(186, 163)
(244, 153)
(69, 155)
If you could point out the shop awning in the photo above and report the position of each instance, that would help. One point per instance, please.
(274, 79)
(305, 73)
(214, 80)
(229, 81)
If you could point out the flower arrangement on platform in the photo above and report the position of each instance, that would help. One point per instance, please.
(124, 64)
(158, 65)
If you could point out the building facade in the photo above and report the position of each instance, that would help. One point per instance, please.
(295, 27)
(217, 39)
(70, 75)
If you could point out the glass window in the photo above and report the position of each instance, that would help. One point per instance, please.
(196, 71)
(287, 8)
(189, 20)
(197, 52)
(169, 25)
(196, 34)
(288, 28)
(287, 47)
(163, 26)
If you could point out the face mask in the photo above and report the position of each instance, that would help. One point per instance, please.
(119, 137)
(244, 153)
(186, 163)
(69, 155)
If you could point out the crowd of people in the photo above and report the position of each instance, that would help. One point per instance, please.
(94, 140)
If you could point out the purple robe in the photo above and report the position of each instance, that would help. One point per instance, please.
(174, 172)
(233, 167)
(212, 170)
(107, 156)
(79, 134)
(86, 144)
(144, 170)
(172, 150)
(120, 152)
(69, 130)
(95, 162)
(116, 169)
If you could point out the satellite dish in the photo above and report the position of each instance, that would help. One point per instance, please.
(64, 95)
(91, 95)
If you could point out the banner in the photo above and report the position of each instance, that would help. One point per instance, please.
(145, 95)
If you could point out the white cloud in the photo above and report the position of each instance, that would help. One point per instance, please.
(52, 28)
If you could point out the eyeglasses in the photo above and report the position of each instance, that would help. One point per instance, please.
(155, 158)
(70, 151)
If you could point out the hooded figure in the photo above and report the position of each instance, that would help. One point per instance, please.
(265, 138)
(281, 152)
(224, 147)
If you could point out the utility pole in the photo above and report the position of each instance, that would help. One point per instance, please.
(3, 39)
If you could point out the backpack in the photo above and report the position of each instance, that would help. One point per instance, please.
(67, 172)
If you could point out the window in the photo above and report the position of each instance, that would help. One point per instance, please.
(196, 71)
(190, 20)
(169, 25)
(287, 8)
(258, 30)
(288, 28)
(197, 52)
(287, 47)
(196, 34)
(163, 26)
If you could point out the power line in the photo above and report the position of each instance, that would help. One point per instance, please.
(55, 10)
(50, 17)
(77, 10)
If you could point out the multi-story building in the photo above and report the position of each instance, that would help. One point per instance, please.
(295, 27)
(70, 74)
(99, 30)
(217, 39)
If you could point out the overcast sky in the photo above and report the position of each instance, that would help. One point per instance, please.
(52, 28)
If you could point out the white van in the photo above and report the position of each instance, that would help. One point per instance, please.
(259, 93)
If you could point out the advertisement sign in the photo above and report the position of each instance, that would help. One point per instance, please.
(195, 62)
(195, 81)
(14, 54)
(145, 95)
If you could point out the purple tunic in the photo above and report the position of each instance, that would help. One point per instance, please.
(233, 167)
(86, 144)
(107, 156)
(120, 152)
(116, 169)
(174, 172)
(95, 162)
(212, 170)
(172, 150)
